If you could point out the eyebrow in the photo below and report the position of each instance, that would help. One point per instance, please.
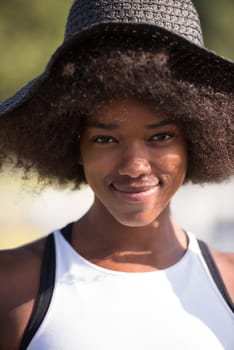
(100, 125)
(162, 123)
(111, 126)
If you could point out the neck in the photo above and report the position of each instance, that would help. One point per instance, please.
(102, 239)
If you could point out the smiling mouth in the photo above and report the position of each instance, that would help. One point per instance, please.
(136, 193)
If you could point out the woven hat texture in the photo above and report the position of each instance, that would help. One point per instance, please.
(176, 16)
(172, 22)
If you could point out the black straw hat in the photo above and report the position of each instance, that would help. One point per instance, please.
(173, 23)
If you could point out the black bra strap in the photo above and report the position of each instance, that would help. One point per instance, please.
(45, 292)
(215, 273)
(67, 232)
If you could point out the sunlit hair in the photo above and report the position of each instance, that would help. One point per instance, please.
(43, 134)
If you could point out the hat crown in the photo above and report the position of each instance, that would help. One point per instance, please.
(177, 16)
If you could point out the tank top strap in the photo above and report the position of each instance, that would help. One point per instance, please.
(214, 271)
(67, 233)
(45, 292)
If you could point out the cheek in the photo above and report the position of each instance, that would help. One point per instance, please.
(174, 165)
(177, 163)
(173, 175)
(178, 168)
(95, 162)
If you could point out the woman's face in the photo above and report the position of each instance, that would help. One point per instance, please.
(134, 159)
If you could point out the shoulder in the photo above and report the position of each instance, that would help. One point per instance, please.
(15, 262)
(225, 264)
(19, 280)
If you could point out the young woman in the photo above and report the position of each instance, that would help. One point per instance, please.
(135, 106)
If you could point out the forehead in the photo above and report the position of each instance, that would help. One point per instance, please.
(125, 109)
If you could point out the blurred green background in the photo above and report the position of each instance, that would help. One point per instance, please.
(30, 31)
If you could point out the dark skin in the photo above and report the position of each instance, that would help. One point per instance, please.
(134, 170)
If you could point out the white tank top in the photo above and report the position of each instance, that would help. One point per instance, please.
(93, 308)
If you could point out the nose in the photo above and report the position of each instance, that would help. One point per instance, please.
(134, 163)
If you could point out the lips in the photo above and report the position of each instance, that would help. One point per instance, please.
(133, 189)
(135, 192)
(136, 186)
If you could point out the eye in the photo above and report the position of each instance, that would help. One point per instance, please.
(103, 139)
(161, 137)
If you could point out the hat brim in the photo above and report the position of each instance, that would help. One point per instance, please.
(189, 61)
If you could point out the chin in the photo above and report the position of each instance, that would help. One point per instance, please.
(136, 221)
